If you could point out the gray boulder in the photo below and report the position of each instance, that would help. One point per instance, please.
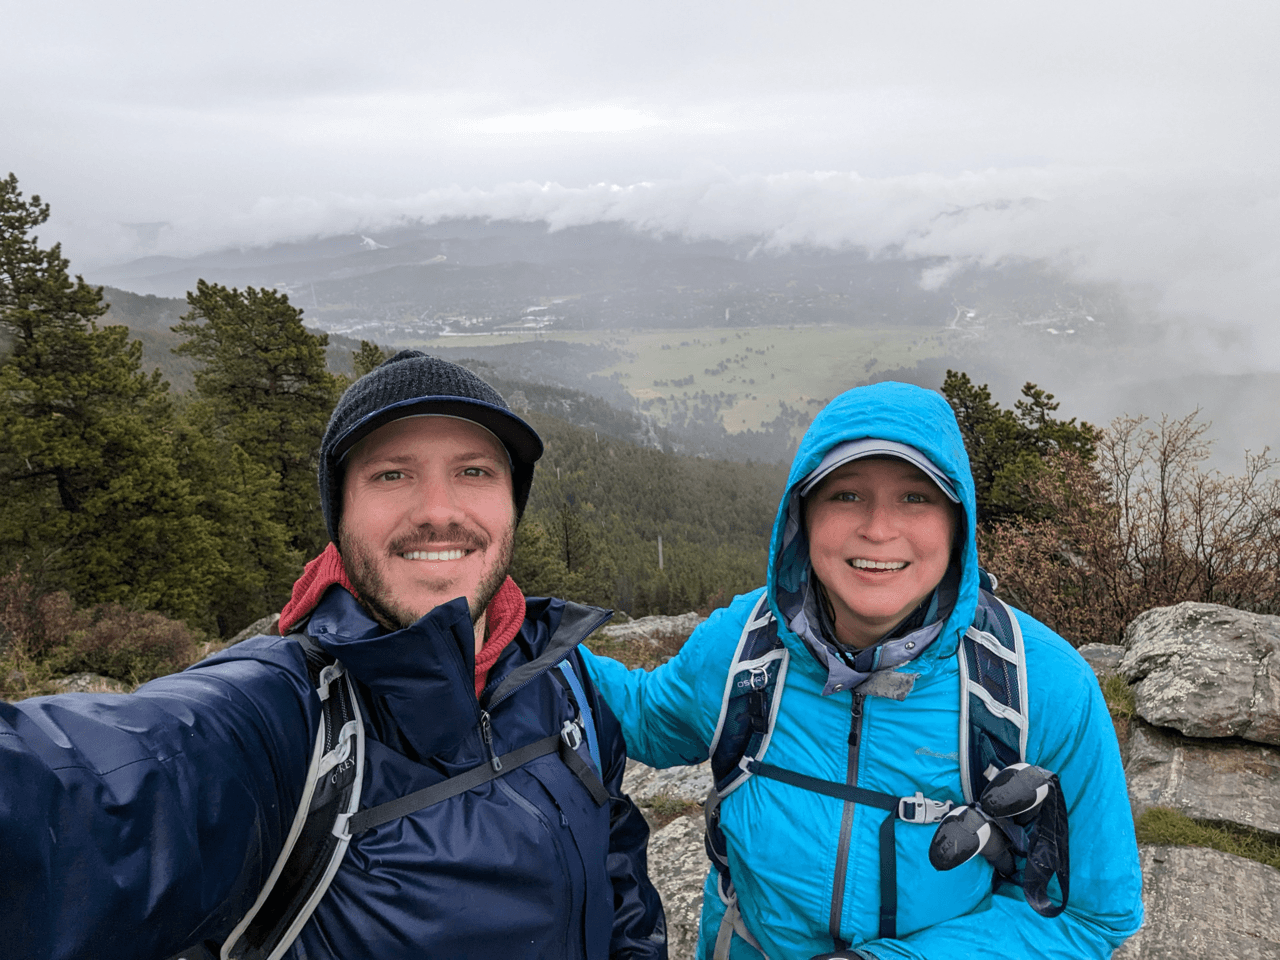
(689, 784)
(90, 683)
(678, 865)
(652, 629)
(1206, 670)
(1104, 658)
(268, 625)
(1202, 903)
(1230, 781)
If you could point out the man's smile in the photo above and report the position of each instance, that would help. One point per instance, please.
(435, 554)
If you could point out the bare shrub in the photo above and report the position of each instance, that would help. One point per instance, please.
(18, 619)
(45, 637)
(129, 645)
(1142, 526)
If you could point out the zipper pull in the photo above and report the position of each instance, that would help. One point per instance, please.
(855, 724)
(486, 733)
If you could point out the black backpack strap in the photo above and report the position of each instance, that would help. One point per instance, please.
(580, 734)
(566, 743)
(462, 782)
(994, 725)
(313, 850)
(917, 809)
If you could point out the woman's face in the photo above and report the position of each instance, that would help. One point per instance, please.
(880, 535)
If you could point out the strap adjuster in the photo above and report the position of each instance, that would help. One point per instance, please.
(571, 732)
(921, 810)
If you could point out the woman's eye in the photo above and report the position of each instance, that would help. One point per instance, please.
(916, 498)
(847, 496)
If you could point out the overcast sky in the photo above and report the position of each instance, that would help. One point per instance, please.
(1129, 140)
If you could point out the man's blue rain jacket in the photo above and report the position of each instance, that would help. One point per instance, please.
(132, 826)
(806, 865)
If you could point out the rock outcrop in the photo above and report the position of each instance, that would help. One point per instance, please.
(1206, 683)
(1206, 671)
(1205, 742)
(1203, 903)
(652, 629)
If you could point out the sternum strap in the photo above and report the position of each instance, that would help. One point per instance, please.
(420, 799)
(870, 798)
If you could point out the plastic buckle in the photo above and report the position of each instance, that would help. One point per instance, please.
(571, 733)
(920, 809)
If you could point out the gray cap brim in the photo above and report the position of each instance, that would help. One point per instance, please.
(852, 450)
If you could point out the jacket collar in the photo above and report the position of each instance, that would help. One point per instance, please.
(420, 677)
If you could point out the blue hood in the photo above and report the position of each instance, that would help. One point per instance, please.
(884, 411)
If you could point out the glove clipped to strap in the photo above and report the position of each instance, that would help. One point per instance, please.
(1020, 814)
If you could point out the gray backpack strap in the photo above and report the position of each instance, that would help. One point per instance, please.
(314, 848)
(993, 695)
(748, 711)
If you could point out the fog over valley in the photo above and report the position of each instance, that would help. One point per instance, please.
(1082, 197)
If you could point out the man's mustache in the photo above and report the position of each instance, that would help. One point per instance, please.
(425, 538)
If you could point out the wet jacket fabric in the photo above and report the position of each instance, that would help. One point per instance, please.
(806, 866)
(134, 825)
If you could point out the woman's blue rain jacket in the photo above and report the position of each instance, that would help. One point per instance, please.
(805, 865)
(132, 826)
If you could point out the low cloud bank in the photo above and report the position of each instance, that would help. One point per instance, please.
(1195, 243)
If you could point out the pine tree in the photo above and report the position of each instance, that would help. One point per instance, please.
(264, 387)
(368, 357)
(1007, 448)
(94, 502)
(240, 499)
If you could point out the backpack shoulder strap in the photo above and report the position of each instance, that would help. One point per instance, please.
(314, 847)
(993, 695)
(749, 705)
(748, 711)
(568, 675)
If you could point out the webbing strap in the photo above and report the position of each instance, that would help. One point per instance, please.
(730, 924)
(841, 791)
(468, 780)
(584, 712)
(870, 798)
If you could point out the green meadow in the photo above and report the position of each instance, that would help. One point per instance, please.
(801, 366)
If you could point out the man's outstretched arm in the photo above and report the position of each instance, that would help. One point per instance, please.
(134, 825)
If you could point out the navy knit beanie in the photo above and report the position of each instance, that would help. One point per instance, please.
(412, 383)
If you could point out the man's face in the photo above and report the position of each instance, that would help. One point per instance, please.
(427, 516)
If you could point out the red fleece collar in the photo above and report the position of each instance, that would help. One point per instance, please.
(503, 616)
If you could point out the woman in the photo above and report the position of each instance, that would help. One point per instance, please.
(873, 579)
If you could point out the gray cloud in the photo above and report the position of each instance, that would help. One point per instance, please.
(1128, 142)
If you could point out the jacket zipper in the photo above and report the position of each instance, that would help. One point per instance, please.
(486, 725)
(486, 733)
(846, 822)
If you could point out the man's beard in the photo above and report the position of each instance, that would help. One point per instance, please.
(366, 576)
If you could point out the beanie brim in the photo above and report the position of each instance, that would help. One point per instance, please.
(522, 443)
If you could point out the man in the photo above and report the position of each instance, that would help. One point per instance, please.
(143, 825)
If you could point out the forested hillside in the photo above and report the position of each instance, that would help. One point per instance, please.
(142, 520)
(600, 505)
(198, 507)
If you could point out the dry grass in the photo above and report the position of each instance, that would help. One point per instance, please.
(647, 653)
(662, 809)
(1161, 825)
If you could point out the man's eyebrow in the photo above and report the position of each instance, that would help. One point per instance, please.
(393, 458)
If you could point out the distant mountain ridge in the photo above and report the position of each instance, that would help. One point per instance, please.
(419, 280)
